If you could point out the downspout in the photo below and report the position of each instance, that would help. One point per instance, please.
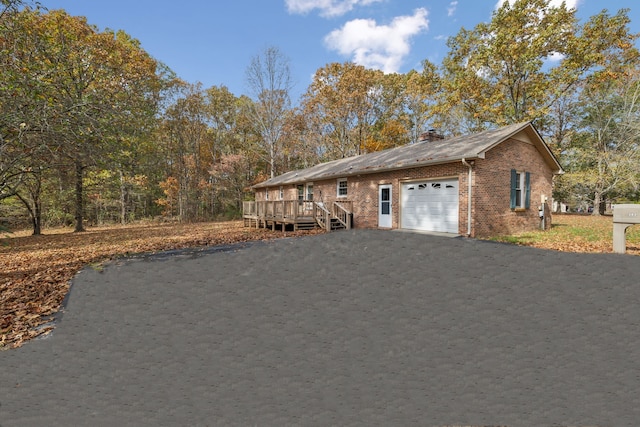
(469, 190)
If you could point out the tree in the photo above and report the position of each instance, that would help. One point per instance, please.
(420, 97)
(222, 109)
(342, 101)
(231, 176)
(300, 142)
(269, 81)
(516, 67)
(604, 153)
(11, 6)
(91, 87)
(24, 155)
(188, 143)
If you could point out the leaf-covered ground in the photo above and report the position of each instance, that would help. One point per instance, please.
(35, 271)
(577, 233)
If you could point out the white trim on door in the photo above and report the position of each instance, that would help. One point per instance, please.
(385, 206)
(430, 205)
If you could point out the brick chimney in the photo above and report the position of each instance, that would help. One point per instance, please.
(430, 135)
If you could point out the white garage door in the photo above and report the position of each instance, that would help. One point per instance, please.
(430, 205)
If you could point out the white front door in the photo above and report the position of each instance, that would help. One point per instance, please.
(384, 206)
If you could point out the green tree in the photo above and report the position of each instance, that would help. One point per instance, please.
(604, 153)
(516, 67)
(83, 89)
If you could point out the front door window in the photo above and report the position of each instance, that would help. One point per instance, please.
(384, 206)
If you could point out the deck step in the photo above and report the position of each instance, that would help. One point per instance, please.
(336, 225)
(306, 225)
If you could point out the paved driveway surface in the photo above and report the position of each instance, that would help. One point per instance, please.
(351, 328)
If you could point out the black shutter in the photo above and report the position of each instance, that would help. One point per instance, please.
(527, 190)
(514, 183)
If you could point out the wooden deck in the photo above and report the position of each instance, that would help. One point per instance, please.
(298, 214)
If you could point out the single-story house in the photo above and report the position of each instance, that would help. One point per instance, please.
(488, 183)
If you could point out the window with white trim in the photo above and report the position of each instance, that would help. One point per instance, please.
(309, 191)
(342, 187)
(281, 193)
(520, 189)
(300, 188)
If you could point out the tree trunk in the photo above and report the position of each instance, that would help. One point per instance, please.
(597, 199)
(34, 207)
(79, 199)
(37, 216)
(272, 159)
(123, 200)
(33, 202)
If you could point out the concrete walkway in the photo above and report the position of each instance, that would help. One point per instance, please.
(359, 327)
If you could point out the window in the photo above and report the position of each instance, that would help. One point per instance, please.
(266, 194)
(300, 188)
(309, 191)
(342, 188)
(520, 189)
(281, 195)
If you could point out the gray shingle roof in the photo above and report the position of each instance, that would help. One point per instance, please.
(419, 154)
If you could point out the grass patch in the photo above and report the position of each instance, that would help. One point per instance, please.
(576, 233)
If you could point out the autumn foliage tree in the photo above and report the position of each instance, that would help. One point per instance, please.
(82, 89)
(92, 127)
(515, 67)
(340, 102)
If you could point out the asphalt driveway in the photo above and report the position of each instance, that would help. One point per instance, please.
(360, 327)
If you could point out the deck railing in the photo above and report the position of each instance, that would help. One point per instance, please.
(292, 210)
(249, 209)
(322, 216)
(273, 209)
(342, 212)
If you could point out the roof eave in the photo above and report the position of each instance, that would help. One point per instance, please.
(546, 152)
(371, 171)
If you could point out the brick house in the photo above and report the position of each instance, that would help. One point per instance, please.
(489, 183)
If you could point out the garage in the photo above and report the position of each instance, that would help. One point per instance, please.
(430, 205)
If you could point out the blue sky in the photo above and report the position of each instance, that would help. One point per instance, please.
(213, 41)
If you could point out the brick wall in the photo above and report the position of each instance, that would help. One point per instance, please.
(491, 200)
(491, 177)
(362, 191)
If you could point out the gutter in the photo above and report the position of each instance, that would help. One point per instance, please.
(469, 191)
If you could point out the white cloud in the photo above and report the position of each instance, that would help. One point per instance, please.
(451, 10)
(326, 7)
(555, 57)
(376, 46)
(571, 4)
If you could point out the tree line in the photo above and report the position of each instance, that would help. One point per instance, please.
(92, 128)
